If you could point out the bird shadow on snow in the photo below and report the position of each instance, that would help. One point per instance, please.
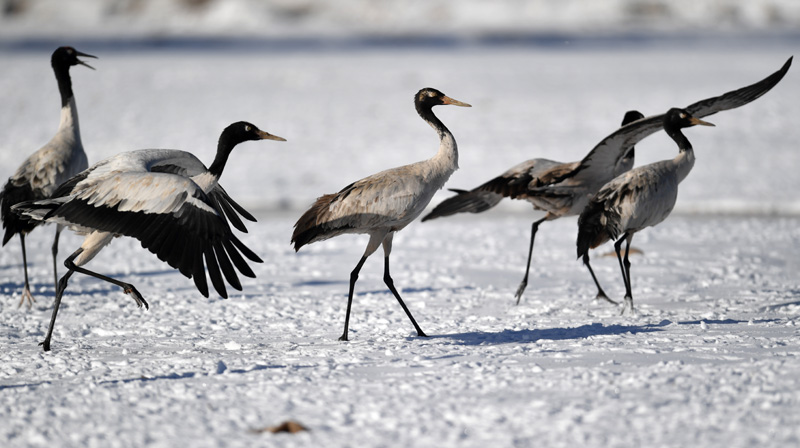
(151, 273)
(37, 291)
(550, 334)
(402, 291)
(320, 283)
(778, 306)
(220, 369)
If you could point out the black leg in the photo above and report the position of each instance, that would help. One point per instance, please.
(627, 264)
(62, 285)
(26, 292)
(600, 293)
(55, 254)
(127, 287)
(353, 278)
(524, 283)
(617, 248)
(387, 278)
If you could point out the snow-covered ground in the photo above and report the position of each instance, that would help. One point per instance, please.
(711, 358)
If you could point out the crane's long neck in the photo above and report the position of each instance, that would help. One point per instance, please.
(209, 179)
(69, 110)
(447, 156)
(684, 161)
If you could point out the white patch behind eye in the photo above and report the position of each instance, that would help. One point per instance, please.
(247, 128)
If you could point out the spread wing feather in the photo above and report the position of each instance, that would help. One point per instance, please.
(168, 214)
(516, 183)
(611, 149)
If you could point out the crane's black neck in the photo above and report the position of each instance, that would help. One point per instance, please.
(64, 82)
(224, 148)
(677, 135)
(426, 112)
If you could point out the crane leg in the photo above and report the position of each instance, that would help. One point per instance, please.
(625, 268)
(353, 278)
(26, 291)
(127, 287)
(62, 285)
(387, 278)
(524, 283)
(629, 293)
(600, 293)
(54, 249)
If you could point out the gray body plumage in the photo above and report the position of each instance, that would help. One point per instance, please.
(43, 171)
(61, 158)
(384, 203)
(641, 198)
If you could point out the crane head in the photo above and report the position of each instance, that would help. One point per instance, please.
(680, 118)
(242, 131)
(68, 56)
(432, 97)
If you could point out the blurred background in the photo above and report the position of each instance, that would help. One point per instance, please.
(281, 18)
(547, 78)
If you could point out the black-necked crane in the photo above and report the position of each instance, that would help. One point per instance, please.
(640, 198)
(168, 201)
(565, 189)
(39, 175)
(384, 203)
(544, 183)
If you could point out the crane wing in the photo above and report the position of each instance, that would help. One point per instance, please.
(605, 156)
(515, 183)
(186, 164)
(168, 214)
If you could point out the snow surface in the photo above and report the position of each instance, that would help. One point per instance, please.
(711, 358)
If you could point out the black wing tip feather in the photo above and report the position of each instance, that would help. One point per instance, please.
(307, 236)
(739, 97)
(193, 243)
(444, 207)
(306, 229)
(591, 231)
(787, 64)
(476, 201)
(14, 223)
(771, 81)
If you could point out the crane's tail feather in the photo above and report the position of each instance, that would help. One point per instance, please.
(596, 226)
(475, 201)
(317, 224)
(13, 222)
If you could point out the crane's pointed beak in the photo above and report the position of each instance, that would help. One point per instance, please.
(448, 100)
(268, 136)
(696, 121)
(78, 53)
